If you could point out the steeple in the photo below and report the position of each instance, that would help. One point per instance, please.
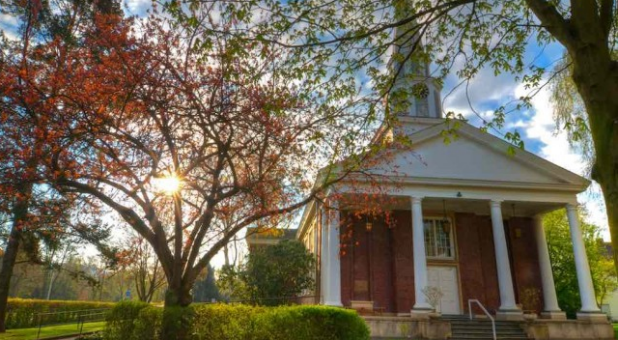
(415, 93)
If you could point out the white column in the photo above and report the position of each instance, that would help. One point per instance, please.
(551, 310)
(505, 281)
(323, 255)
(586, 289)
(333, 298)
(420, 260)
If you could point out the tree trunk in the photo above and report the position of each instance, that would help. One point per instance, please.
(177, 320)
(610, 193)
(596, 78)
(20, 212)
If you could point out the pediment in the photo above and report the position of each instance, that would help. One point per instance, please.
(474, 156)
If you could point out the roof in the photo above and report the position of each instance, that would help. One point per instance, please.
(269, 236)
(475, 159)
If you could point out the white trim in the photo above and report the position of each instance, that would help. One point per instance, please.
(466, 194)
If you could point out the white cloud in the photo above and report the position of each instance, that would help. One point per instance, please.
(137, 7)
(555, 148)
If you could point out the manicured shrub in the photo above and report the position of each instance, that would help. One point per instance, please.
(310, 322)
(228, 322)
(122, 319)
(237, 322)
(148, 324)
(177, 321)
(23, 313)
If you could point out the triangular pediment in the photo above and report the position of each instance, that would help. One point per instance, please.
(473, 156)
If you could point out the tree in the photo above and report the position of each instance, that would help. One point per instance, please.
(25, 134)
(146, 270)
(563, 261)
(272, 275)
(173, 133)
(339, 39)
(205, 289)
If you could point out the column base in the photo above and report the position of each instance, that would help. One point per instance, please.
(596, 317)
(333, 304)
(553, 315)
(420, 313)
(510, 315)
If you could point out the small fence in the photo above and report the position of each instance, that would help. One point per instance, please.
(78, 317)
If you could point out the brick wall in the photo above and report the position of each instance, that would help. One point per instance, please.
(388, 272)
(525, 262)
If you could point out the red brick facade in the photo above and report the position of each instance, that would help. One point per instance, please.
(377, 265)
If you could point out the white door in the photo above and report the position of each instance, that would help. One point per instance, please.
(445, 278)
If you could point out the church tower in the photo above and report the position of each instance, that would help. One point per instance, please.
(413, 83)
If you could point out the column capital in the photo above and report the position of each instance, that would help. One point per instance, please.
(571, 207)
(495, 203)
(416, 199)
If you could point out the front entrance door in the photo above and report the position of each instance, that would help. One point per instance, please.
(445, 278)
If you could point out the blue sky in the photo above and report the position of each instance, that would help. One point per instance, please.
(536, 125)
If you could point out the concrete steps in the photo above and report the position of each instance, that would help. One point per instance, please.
(480, 329)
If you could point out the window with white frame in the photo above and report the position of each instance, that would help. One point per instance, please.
(438, 239)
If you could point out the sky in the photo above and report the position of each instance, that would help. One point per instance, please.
(536, 125)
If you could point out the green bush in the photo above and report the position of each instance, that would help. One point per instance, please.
(122, 319)
(178, 321)
(147, 324)
(238, 322)
(310, 322)
(229, 322)
(23, 313)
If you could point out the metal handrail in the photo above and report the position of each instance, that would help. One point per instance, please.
(493, 322)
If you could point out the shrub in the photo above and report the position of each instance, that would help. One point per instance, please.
(122, 319)
(147, 324)
(310, 322)
(228, 322)
(238, 322)
(22, 313)
(177, 321)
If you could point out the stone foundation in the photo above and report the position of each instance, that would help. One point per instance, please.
(406, 327)
(435, 328)
(569, 329)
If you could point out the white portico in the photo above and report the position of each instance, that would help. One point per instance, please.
(476, 175)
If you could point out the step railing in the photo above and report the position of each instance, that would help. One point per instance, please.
(493, 322)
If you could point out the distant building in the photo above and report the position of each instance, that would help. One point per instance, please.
(257, 239)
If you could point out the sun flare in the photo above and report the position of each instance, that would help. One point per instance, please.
(169, 184)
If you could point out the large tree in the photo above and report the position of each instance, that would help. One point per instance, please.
(190, 140)
(29, 90)
(339, 39)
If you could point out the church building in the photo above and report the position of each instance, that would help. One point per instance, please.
(463, 235)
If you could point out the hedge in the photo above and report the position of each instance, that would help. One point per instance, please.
(239, 322)
(21, 313)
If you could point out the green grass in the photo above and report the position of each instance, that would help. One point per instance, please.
(50, 331)
(615, 330)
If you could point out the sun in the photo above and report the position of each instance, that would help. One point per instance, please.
(169, 185)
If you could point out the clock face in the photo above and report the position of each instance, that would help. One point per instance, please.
(420, 90)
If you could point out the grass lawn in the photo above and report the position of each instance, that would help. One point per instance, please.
(50, 331)
(615, 330)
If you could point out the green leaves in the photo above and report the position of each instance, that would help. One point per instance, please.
(272, 275)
